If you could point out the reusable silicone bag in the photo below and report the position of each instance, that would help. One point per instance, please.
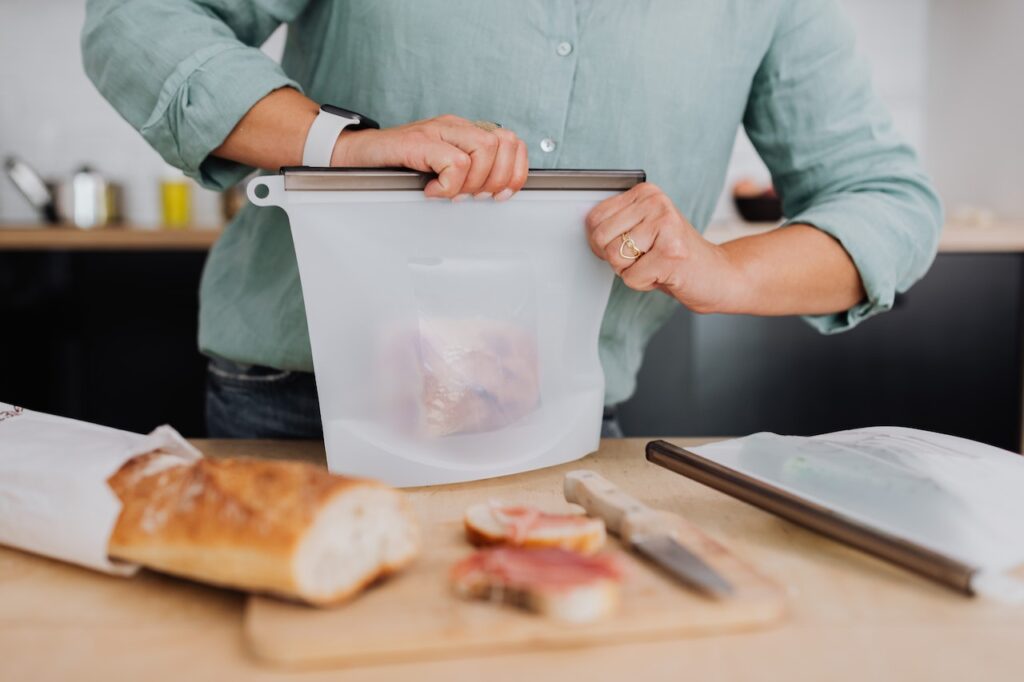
(451, 341)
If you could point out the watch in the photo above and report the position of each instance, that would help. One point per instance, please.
(324, 132)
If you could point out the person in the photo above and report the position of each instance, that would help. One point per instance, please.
(661, 86)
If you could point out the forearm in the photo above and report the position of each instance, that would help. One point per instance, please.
(466, 158)
(273, 132)
(795, 270)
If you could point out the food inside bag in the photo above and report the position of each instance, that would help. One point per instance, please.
(468, 361)
(474, 375)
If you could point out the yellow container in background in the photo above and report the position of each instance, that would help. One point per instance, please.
(176, 200)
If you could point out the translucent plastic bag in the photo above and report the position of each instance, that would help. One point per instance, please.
(451, 341)
(954, 497)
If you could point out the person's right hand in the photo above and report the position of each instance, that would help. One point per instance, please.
(467, 159)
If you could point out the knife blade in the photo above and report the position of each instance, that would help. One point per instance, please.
(687, 567)
(647, 531)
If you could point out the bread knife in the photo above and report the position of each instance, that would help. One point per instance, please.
(648, 531)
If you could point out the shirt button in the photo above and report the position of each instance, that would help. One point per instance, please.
(564, 49)
(547, 145)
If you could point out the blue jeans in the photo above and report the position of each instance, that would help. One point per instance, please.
(250, 401)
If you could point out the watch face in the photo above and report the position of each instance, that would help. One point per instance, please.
(360, 120)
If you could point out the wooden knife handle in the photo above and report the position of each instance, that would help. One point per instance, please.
(601, 498)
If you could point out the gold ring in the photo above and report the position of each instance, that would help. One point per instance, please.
(628, 243)
(489, 126)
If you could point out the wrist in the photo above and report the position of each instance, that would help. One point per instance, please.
(737, 292)
(348, 149)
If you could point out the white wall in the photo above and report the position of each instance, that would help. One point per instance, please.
(52, 116)
(976, 104)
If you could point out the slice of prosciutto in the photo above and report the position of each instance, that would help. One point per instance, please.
(558, 583)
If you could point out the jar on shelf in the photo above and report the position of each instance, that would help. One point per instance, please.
(175, 199)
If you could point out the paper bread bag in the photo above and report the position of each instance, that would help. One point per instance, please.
(54, 498)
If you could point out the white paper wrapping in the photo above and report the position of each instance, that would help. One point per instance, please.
(54, 498)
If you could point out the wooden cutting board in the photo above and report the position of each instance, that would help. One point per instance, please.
(415, 616)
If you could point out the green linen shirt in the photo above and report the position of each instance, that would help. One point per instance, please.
(659, 85)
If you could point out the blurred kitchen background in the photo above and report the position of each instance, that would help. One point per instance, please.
(101, 325)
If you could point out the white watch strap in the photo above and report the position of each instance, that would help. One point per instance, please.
(321, 138)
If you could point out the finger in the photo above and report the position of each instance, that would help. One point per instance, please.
(481, 145)
(614, 226)
(614, 204)
(504, 163)
(597, 232)
(616, 252)
(449, 162)
(521, 169)
(647, 272)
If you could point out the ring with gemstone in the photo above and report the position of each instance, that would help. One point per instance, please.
(489, 126)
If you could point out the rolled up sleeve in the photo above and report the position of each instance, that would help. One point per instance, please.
(183, 73)
(835, 159)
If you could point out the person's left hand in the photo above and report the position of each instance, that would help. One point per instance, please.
(675, 259)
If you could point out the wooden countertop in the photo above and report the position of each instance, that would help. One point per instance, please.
(851, 617)
(999, 238)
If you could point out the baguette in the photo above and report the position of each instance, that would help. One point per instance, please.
(493, 524)
(285, 528)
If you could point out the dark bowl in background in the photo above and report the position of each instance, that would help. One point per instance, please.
(762, 209)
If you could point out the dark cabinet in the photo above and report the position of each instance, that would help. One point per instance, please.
(947, 358)
(107, 337)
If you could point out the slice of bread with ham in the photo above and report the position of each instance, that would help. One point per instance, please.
(557, 583)
(521, 526)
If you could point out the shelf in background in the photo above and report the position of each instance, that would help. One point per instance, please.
(997, 238)
(121, 238)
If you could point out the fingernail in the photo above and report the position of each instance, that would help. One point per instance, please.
(503, 195)
(460, 197)
(482, 195)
